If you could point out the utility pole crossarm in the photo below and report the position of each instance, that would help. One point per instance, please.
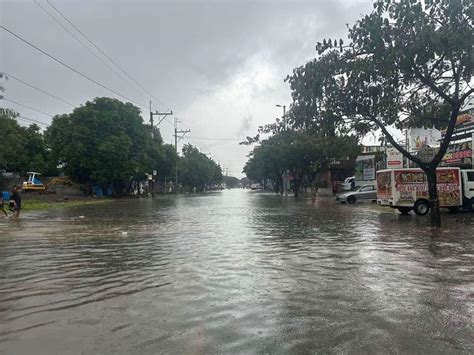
(156, 113)
(183, 133)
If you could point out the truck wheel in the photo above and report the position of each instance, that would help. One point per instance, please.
(404, 210)
(421, 207)
(351, 200)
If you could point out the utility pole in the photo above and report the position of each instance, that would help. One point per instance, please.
(156, 113)
(181, 134)
(152, 126)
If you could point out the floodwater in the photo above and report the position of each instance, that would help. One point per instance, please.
(235, 272)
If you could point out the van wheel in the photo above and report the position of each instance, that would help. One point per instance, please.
(404, 210)
(351, 200)
(421, 207)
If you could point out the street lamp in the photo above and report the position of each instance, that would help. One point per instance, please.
(285, 175)
(284, 114)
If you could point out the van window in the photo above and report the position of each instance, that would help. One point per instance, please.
(470, 176)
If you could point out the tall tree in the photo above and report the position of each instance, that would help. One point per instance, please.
(103, 142)
(408, 63)
(302, 153)
(23, 148)
(197, 170)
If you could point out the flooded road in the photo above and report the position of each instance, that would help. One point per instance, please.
(235, 272)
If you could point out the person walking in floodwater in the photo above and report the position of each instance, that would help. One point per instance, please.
(15, 198)
(5, 196)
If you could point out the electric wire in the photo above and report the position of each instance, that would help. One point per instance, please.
(71, 68)
(38, 89)
(77, 39)
(28, 107)
(215, 139)
(105, 55)
(27, 119)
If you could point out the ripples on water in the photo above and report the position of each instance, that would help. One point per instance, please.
(234, 272)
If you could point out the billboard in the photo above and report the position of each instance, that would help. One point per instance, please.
(394, 158)
(419, 137)
(365, 168)
(458, 154)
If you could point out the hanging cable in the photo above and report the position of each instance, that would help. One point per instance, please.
(105, 55)
(38, 89)
(71, 68)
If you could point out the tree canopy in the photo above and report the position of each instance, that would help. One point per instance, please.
(301, 153)
(195, 169)
(407, 64)
(102, 142)
(23, 148)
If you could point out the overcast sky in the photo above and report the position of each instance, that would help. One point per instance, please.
(219, 65)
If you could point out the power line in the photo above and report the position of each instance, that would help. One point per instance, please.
(37, 88)
(77, 39)
(71, 68)
(215, 139)
(105, 55)
(27, 119)
(28, 107)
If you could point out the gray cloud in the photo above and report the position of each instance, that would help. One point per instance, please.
(215, 63)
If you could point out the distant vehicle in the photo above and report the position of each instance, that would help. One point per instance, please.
(347, 184)
(363, 193)
(33, 183)
(407, 189)
(256, 186)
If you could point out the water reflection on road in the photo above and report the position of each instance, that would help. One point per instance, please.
(231, 272)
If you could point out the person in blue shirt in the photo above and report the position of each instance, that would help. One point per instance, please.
(5, 196)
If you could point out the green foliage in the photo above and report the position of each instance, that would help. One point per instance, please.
(105, 142)
(23, 148)
(195, 169)
(300, 152)
(231, 181)
(408, 63)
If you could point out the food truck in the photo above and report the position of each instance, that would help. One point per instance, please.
(407, 189)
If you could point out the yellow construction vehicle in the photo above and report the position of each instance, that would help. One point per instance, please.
(33, 183)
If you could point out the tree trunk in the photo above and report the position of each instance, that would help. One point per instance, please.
(298, 183)
(435, 215)
(277, 183)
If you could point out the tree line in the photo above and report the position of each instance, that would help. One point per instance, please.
(408, 63)
(104, 143)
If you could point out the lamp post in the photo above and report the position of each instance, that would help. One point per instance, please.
(284, 114)
(284, 177)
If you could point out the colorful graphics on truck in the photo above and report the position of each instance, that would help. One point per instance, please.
(412, 185)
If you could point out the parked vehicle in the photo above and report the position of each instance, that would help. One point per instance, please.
(33, 183)
(256, 186)
(407, 189)
(348, 184)
(365, 193)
